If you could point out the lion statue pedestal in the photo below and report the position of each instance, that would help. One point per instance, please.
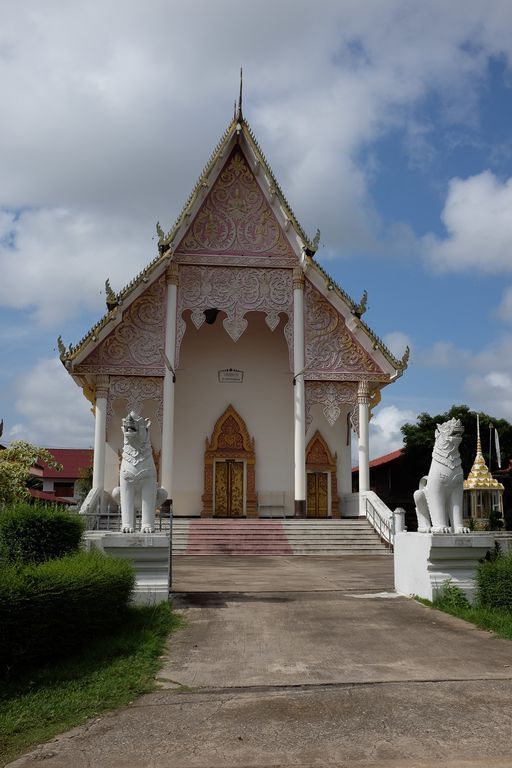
(137, 490)
(439, 497)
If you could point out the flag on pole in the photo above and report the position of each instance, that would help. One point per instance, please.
(497, 444)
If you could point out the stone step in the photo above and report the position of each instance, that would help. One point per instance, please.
(199, 536)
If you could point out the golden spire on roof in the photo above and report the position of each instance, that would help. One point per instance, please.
(480, 477)
(239, 115)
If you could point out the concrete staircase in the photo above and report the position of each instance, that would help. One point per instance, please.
(349, 536)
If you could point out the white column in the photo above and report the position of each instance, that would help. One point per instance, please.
(299, 393)
(167, 456)
(100, 435)
(363, 397)
(345, 460)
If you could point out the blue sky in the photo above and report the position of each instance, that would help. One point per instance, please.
(386, 123)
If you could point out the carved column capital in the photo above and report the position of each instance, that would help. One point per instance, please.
(102, 383)
(363, 392)
(298, 278)
(172, 274)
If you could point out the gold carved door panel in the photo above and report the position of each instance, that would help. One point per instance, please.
(221, 485)
(317, 494)
(229, 488)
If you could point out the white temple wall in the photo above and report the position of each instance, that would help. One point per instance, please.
(264, 400)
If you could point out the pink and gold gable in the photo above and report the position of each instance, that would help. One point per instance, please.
(236, 224)
(331, 351)
(135, 346)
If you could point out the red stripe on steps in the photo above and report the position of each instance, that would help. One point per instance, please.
(237, 538)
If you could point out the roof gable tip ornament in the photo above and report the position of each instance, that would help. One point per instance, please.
(64, 352)
(405, 357)
(239, 114)
(112, 299)
(162, 241)
(360, 309)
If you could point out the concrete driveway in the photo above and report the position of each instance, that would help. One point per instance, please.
(307, 662)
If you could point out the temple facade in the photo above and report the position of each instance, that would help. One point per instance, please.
(254, 367)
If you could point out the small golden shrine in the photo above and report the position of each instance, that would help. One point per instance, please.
(483, 494)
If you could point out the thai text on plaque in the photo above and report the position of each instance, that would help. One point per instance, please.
(231, 376)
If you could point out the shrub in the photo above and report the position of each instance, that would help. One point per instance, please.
(494, 579)
(49, 609)
(449, 597)
(33, 534)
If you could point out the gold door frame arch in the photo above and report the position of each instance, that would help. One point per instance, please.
(230, 440)
(320, 459)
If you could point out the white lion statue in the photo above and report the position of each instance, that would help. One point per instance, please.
(137, 491)
(439, 497)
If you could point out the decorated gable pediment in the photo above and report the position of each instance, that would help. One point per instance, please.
(136, 344)
(235, 223)
(331, 350)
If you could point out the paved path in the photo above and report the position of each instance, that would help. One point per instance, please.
(288, 662)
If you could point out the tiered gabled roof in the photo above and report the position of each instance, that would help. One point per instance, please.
(305, 248)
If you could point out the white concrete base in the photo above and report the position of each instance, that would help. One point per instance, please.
(425, 561)
(350, 505)
(149, 555)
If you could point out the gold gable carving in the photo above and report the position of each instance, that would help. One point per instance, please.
(235, 220)
(135, 346)
(331, 350)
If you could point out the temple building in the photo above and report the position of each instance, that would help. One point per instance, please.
(253, 365)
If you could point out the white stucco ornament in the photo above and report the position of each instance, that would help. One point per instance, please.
(137, 489)
(439, 497)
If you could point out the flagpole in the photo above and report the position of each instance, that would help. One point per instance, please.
(490, 445)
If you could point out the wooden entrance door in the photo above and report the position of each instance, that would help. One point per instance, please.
(229, 488)
(318, 495)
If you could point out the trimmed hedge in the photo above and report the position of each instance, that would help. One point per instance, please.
(34, 534)
(494, 579)
(50, 609)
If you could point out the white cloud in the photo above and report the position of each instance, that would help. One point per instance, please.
(477, 216)
(486, 374)
(492, 393)
(55, 261)
(396, 342)
(51, 408)
(385, 425)
(444, 354)
(116, 112)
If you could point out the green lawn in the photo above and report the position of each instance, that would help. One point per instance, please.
(109, 673)
(451, 600)
(494, 620)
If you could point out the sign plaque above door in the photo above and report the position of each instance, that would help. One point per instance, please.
(231, 376)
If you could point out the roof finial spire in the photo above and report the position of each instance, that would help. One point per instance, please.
(239, 112)
(478, 443)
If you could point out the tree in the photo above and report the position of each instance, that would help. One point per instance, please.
(419, 439)
(84, 484)
(15, 463)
